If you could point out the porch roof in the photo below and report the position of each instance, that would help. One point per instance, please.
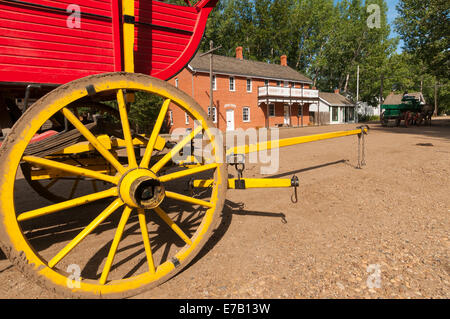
(335, 99)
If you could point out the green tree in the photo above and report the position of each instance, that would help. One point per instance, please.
(424, 27)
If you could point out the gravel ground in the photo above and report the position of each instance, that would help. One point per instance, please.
(379, 232)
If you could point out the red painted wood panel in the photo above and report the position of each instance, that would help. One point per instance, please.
(163, 52)
(36, 45)
(20, 39)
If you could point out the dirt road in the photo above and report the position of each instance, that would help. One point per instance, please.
(379, 232)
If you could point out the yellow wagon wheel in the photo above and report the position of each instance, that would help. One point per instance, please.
(50, 188)
(136, 234)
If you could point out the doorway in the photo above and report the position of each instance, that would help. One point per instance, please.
(230, 120)
(287, 115)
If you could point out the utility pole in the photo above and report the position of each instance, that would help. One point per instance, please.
(357, 85)
(211, 89)
(436, 84)
(355, 112)
(381, 91)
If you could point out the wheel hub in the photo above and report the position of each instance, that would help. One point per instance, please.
(141, 188)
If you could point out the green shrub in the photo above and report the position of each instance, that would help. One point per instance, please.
(368, 118)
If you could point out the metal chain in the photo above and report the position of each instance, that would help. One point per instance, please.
(363, 161)
(359, 151)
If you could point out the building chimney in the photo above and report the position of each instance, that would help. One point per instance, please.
(283, 61)
(239, 53)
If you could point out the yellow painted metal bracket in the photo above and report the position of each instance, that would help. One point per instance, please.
(249, 183)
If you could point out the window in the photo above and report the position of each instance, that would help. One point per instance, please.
(249, 85)
(176, 82)
(214, 84)
(271, 110)
(212, 116)
(186, 118)
(232, 87)
(170, 117)
(286, 84)
(351, 114)
(278, 83)
(246, 114)
(334, 114)
(266, 82)
(292, 85)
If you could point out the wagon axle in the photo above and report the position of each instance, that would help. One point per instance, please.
(140, 188)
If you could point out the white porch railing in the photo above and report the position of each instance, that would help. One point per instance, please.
(286, 92)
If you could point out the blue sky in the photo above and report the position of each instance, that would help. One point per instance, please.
(392, 13)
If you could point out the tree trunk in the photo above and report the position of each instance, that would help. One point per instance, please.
(346, 82)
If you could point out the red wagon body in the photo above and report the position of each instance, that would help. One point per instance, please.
(40, 41)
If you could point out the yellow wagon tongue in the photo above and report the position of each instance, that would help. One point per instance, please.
(237, 153)
(267, 145)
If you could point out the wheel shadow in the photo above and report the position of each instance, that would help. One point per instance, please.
(230, 209)
(44, 232)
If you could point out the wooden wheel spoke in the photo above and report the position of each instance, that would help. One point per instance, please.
(67, 204)
(172, 225)
(188, 199)
(85, 232)
(93, 140)
(146, 240)
(126, 129)
(187, 172)
(160, 164)
(115, 244)
(69, 168)
(151, 143)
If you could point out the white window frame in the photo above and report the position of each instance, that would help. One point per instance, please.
(268, 111)
(337, 109)
(214, 81)
(176, 82)
(186, 118)
(251, 85)
(232, 80)
(214, 117)
(243, 113)
(170, 118)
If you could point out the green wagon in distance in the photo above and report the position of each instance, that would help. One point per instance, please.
(410, 111)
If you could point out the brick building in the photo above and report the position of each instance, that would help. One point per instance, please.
(246, 94)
